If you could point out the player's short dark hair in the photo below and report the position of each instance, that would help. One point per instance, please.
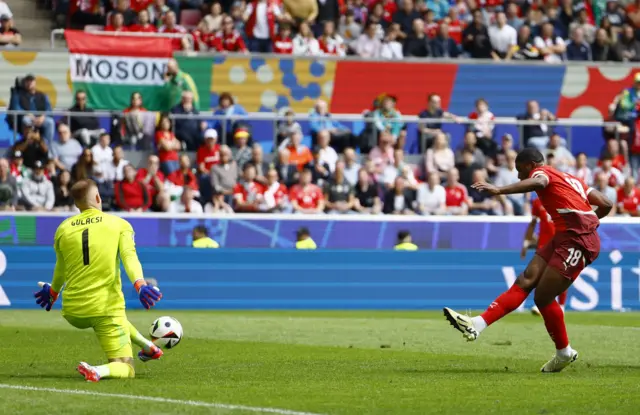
(303, 231)
(402, 235)
(202, 230)
(530, 155)
(80, 189)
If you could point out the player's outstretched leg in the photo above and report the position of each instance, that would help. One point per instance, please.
(562, 300)
(112, 370)
(510, 300)
(149, 350)
(551, 285)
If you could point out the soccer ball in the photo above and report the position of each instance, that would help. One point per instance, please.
(166, 332)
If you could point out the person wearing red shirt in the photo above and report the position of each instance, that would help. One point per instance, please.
(132, 195)
(202, 37)
(457, 197)
(455, 26)
(330, 42)
(168, 146)
(171, 26)
(629, 198)
(283, 43)
(144, 24)
(209, 152)
(276, 195)
(152, 177)
(228, 39)
(139, 5)
(184, 176)
(618, 160)
(261, 17)
(430, 24)
(247, 194)
(117, 23)
(306, 197)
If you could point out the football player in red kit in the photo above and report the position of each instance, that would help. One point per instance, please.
(547, 230)
(553, 269)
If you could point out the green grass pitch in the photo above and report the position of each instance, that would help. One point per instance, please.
(327, 363)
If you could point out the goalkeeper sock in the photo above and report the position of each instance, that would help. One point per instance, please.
(139, 339)
(115, 370)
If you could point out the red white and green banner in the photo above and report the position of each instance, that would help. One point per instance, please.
(111, 67)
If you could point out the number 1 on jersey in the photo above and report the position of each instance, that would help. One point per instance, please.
(85, 246)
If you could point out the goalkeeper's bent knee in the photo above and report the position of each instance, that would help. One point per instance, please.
(116, 370)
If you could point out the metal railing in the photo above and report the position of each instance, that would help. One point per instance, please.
(274, 118)
(55, 33)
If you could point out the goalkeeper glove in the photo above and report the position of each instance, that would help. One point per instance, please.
(46, 296)
(148, 295)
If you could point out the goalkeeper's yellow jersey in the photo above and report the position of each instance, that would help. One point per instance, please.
(89, 247)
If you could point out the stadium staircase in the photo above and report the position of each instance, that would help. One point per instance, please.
(33, 21)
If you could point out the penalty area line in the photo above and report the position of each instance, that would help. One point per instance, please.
(201, 404)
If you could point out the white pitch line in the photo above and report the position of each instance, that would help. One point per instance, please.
(158, 399)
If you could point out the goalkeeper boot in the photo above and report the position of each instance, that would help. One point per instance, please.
(89, 372)
(154, 354)
(462, 323)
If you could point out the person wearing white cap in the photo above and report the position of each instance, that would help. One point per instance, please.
(209, 152)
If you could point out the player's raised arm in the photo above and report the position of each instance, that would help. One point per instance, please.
(528, 236)
(601, 202)
(49, 293)
(127, 248)
(531, 180)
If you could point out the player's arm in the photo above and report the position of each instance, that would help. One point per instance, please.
(127, 248)
(528, 236)
(537, 182)
(48, 293)
(602, 204)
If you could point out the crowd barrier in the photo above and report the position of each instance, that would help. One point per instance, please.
(330, 279)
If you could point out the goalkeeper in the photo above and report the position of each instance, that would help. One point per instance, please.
(89, 247)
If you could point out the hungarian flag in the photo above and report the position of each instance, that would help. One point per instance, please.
(109, 68)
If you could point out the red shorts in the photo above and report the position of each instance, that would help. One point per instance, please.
(570, 253)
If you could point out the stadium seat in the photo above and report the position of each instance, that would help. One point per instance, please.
(190, 18)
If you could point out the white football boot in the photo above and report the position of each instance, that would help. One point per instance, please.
(461, 323)
(557, 363)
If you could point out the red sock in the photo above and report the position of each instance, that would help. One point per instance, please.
(562, 299)
(503, 305)
(554, 322)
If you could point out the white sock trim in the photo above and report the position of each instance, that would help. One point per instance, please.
(478, 323)
(566, 352)
(103, 370)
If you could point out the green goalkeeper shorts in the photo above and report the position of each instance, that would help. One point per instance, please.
(112, 332)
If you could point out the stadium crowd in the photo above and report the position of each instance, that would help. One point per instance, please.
(547, 30)
(10, 36)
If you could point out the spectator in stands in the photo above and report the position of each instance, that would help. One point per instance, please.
(229, 39)
(564, 159)
(330, 11)
(326, 153)
(227, 107)
(577, 48)
(299, 154)
(248, 193)
(224, 174)
(154, 180)
(471, 144)
(405, 18)
(136, 121)
(218, 205)
(209, 152)
(383, 154)
(8, 187)
(32, 148)
(525, 50)
(582, 171)
(619, 158)
(339, 193)
(614, 176)
(429, 130)
(18, 169)
(442, 46)
(157, 12)
(177, 82)
(582, 22)
(506, 175)
(391, 48)
(417, 43)
(85, 167)
(114, 170)
(503, 38)
(171, 25)
(116, 24)
(475, 38)
(4, 9)
(62, 192)
(188, 129)
(213, 20)
(627, 49)
(37, 104)
(399, 200)
(10, 37)
(467, 165)
(84, 13)
(482, 203)
(388, 118)
(241, 150)
(275, 197)
(349, 29)
(132, 195)
(368, 44)
(536, 135)
(440, 158)
(431, 196)
(168, 146)
(551, 47)
(37, 190)
(289, 125)
(321, 173)
(261, 18)
(399, 168)
(288, 172)
(483, 126)
(367, 199)
(601, 48)
(614, 14)
(257, 159)
(283, 42)
(513, 18)
(306, 197)
(128, 15)
(320, 120)
(629, 198)
(457, 200)
(330, 42)
(65, 152)
(143, 24)
(186, 204)
(304, 43)
(85, 128)
(184, 175)
(351, 166)
(601, 184)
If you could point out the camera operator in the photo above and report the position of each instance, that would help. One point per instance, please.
(37, 105)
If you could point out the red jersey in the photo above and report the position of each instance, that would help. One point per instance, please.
(163, 154)
(618, 162)
(148, 28)
(629, 202)
(280, 194)
(151, 186)
(139, 5)
(203, 38)
(180, 178)
(565, 198)
(455, 31)
(232, 42)
(456, 196)
(282, 45)
(133, 195)
(247, 192)
(208, 156)
(431, 29)
(308, 197)
(331, 46)
(547, 228)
